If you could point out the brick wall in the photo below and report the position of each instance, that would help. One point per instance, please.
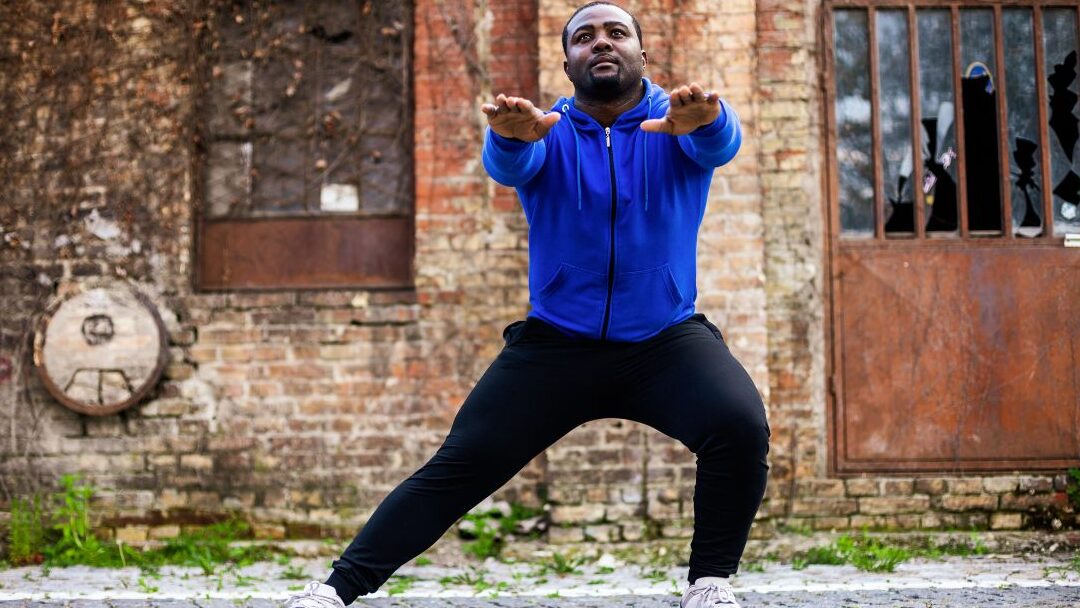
(301, 409)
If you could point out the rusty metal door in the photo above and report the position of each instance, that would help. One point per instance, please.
(954, 291)
(957, 358)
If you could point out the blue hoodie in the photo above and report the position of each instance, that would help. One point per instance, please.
(613, 216)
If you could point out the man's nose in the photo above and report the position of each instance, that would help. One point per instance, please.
(601, 44)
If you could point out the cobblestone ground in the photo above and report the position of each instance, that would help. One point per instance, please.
(1041, 597)
(1043, 580)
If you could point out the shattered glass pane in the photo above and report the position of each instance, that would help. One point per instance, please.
(979, 96)
(853, 136)
(1060, 52)
(1022, 103)
(894, 91)
(937, 137)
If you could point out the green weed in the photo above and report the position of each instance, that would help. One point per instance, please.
(400, 584)
(470, 579)
(492, 529)
(1072, 487)
(655, 575)
(292, 572)
(753, 567)
(861, 551)
(146, 587)
(67, 538)
(26, 531)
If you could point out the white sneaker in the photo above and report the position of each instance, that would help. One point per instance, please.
(709, 592)
(316, 595)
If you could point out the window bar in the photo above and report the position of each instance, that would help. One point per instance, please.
(875, 114)
(312, 66)
(958, 118)
(832, 134)
(1044, 132)
(916, 125)
(1003, 124)
(354, 155)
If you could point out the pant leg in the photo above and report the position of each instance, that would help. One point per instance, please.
(686, 384)
(536, 391)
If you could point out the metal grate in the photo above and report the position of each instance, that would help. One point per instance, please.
(953, 121)
(309, 109)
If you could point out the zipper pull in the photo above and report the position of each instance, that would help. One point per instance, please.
(607, 134)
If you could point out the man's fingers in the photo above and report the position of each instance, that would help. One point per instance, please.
(549, 119)
(544, 124)
(524, 105)
(657, 125)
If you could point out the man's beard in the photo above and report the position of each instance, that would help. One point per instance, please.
(604, 87)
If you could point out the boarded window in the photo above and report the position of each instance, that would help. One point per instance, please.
(307, 140)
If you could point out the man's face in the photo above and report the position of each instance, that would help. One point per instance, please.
(603, 53)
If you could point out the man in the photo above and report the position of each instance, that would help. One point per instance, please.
(613, 182)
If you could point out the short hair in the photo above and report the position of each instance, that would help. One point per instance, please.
(566, 32)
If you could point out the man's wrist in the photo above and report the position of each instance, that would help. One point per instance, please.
(712, 127)
(505, 142)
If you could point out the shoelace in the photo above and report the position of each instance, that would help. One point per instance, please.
(309, 594)
(713, 595)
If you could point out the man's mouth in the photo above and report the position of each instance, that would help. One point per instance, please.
(599, 61)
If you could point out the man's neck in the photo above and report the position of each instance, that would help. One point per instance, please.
(606, 112)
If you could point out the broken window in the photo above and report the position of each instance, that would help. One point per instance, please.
(1059, 43)
(307, 116)
(853, 141)
(937, 135)
(1022, 101)
(894, 78)
(975, 110)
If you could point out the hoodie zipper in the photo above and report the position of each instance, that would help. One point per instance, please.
(611, 249)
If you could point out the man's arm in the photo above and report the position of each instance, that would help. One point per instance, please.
(708, 129)
(514, 147)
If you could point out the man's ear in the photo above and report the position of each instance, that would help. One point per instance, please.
(566, 68)
(644, 59)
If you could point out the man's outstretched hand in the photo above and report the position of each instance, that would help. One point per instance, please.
(691, 107)
(518, 118)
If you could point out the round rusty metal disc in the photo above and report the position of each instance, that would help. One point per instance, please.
(100, 348)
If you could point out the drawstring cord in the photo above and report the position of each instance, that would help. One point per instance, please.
(645, 153)
(577, 149)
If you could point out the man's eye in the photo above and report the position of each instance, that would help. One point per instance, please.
(583, 37)
(618, 34)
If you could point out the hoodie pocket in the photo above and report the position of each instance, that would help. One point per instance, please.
(643, 302)
(573, 298)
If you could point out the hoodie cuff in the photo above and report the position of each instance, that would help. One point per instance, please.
(506, 144)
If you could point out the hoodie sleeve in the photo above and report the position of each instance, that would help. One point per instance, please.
(714, 144)
(512, 162)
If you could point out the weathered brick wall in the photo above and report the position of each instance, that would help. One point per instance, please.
(303, 408)
(299, 408)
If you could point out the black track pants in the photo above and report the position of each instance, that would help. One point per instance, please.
(682, 382)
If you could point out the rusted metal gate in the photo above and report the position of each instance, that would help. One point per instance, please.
(954, 188)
